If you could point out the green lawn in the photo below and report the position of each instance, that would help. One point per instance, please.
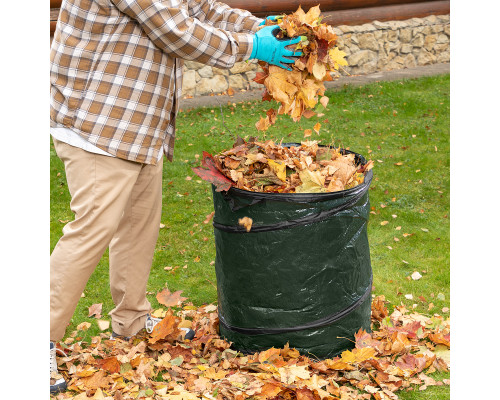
(401, 122)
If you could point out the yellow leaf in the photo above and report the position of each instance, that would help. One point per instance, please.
(319, 71)
(358, 355)
(317, 127)
(337, 56)
(307, 132)
(279, 168)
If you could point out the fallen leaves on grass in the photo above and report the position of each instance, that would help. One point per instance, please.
(399, 354)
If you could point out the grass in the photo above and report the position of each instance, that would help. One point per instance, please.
(401, 122)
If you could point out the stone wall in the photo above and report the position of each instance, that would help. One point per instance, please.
(378, 46)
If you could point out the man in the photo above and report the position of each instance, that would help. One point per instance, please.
(116, 75)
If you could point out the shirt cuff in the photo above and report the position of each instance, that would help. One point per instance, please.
(245, 41)
(252, 23)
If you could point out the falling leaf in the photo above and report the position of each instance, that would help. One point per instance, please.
(307, 132)
(317, 127)
(83, 326)
(384, 223)
(165, 329)
(409, 296)
(246, 222)
(103, 325)
(95, 309)
(170, 299)
(209, 217)
(324, 101)
(230, 91)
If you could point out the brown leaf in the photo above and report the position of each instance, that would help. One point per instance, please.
(170, 299)
(110, 364)
(166, 329)
(95, 309)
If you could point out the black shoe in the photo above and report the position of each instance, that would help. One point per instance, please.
(57, 382)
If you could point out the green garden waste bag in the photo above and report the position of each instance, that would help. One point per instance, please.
(301, 275)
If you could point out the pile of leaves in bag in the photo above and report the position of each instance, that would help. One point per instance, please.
(298, 90)
(274, 168)
(400, 353)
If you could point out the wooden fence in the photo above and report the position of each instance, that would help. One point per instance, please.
(336, 12)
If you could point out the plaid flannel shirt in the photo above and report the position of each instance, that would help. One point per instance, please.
(116, 69)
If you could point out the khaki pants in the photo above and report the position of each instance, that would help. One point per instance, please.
(117, 203)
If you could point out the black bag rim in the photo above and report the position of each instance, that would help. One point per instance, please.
(319, 323)
(305, 197)
(309, 219)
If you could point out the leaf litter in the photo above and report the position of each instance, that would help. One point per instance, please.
(272, 167)
(403, 348)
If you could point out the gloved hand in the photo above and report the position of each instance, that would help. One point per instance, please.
(270, 18)
(268, 48)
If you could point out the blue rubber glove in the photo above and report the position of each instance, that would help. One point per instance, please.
(266, 47)
(270, 18)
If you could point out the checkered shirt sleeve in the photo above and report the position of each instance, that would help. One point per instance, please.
(116, 72)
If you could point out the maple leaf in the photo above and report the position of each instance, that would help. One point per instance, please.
(110, 364)
(337, 57)
(170, 299)
(439, 338)
(210, 172)
(166, 329)
(358, 355)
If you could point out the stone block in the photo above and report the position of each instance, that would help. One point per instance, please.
(345, 28)
(405, 35)
(447, 29)
(392, 35)
(437, 28)
(431, 19)
(443, 57)
(220, 71)
(427, 30)
(361, 57)
(206, 72)
(380, 25)
(193, 65)
(217, 84)
(438, 48)
(406, 48)
(418, 40)
(369, 67)
(368, 41)
(237, 82)
(367, 28)
(189, 82)
(429, 42)
(442, 38)
(425, 57)
(242, 66)
(444, 18)
(410, 61)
